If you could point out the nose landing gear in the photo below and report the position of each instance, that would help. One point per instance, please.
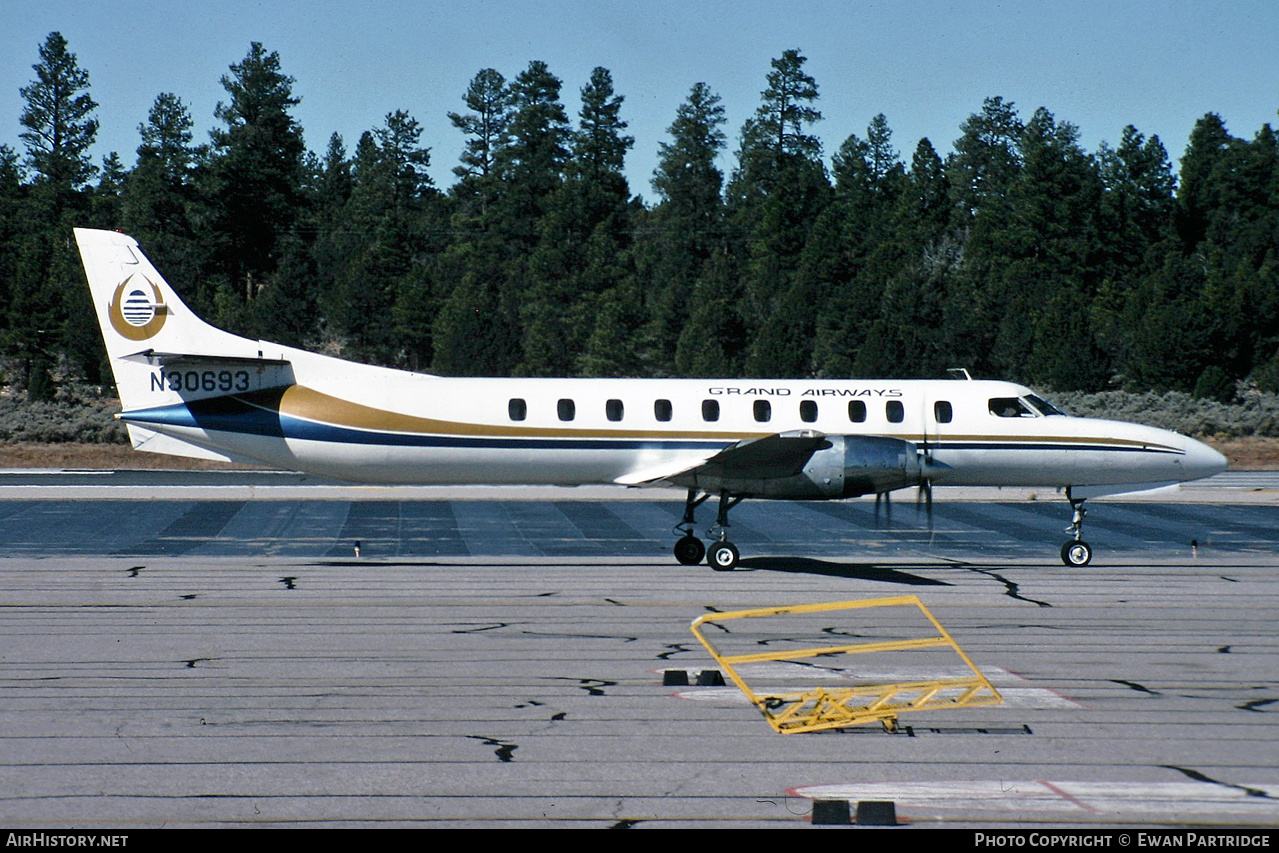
(722, 556)
(1076, 552)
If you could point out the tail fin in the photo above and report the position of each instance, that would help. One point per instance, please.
(160, 352)
(137, 309)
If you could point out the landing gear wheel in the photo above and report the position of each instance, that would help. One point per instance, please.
(1076, 553)
(722, 556)
(689, 550)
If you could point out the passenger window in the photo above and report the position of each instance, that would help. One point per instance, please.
(567, 410)
(943, 412)
(808, 411)
(763, 411)
(1009, 407)
(710, 410)
(662, 410)
(517, 409)
(895, 411)
(613, 409)
(857, 411)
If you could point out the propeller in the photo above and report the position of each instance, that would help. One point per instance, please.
(886, 497)
(924, 499)
(924, 496)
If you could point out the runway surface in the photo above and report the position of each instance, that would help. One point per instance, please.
(202, 655)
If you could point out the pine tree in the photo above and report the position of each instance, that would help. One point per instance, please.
(1137, 205)
(257, 170)
(1229, 223)
(531, 165)
(777, 192)
(851, 257)
(48, 308)
(686, 178)
(713, 340)
(599, 145)
(786, 111)
(1049, 252)
(677, 238)
(584, 240)
(885, 164)
(106, 197)
(606, 312)
(12, 195)
(12, 222)
(58, 118)
(160, 203)
(986, 158)
(922, 209)
(390, 192)
(479, 328)
(1207, 153)
(489, 100)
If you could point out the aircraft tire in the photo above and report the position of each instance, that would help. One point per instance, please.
(689, 551)
(722, 556)
(1076, 553)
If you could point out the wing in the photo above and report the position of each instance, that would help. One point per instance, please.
(748, 467)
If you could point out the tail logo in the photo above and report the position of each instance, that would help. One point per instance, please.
(136, 311)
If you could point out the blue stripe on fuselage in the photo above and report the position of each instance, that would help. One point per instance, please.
(234, 415)
(259, 414)
(219, 414)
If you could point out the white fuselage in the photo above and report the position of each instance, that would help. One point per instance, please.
(370, 424)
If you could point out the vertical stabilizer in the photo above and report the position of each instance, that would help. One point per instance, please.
(163, 356)
(144, 322)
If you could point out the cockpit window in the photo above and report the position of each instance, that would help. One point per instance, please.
(1010, 407)
(1030, 406)
(1045, 408)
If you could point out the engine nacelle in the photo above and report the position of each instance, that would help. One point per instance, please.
(844, 466)
(856, 465)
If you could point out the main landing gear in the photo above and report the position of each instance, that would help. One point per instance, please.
(1076, 552)
(722, 556)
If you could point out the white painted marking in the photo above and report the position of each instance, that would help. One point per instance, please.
(1091, 799)
(788, 678)
(1014, 697)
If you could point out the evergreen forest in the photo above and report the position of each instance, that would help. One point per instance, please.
(1017, 255)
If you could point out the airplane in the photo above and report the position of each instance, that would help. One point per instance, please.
(190, 389)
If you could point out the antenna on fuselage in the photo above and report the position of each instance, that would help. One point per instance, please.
(959, 373)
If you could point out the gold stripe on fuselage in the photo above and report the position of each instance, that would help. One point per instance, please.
(308, 404)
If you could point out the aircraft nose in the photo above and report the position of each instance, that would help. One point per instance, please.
(1201, 461)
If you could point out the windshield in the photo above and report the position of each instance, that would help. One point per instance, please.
(1029, 406)
(1043, 406)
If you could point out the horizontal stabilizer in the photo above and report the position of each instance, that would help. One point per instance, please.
(166, 359)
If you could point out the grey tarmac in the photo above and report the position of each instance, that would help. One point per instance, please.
(204, 650)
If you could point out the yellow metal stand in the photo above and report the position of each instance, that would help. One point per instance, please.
(817, 708)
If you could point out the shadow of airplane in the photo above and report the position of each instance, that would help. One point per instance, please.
(828, 568)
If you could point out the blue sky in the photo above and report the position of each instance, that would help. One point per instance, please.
(1156, 64)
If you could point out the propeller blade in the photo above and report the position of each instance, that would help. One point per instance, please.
(924, 497)
(888, 508)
